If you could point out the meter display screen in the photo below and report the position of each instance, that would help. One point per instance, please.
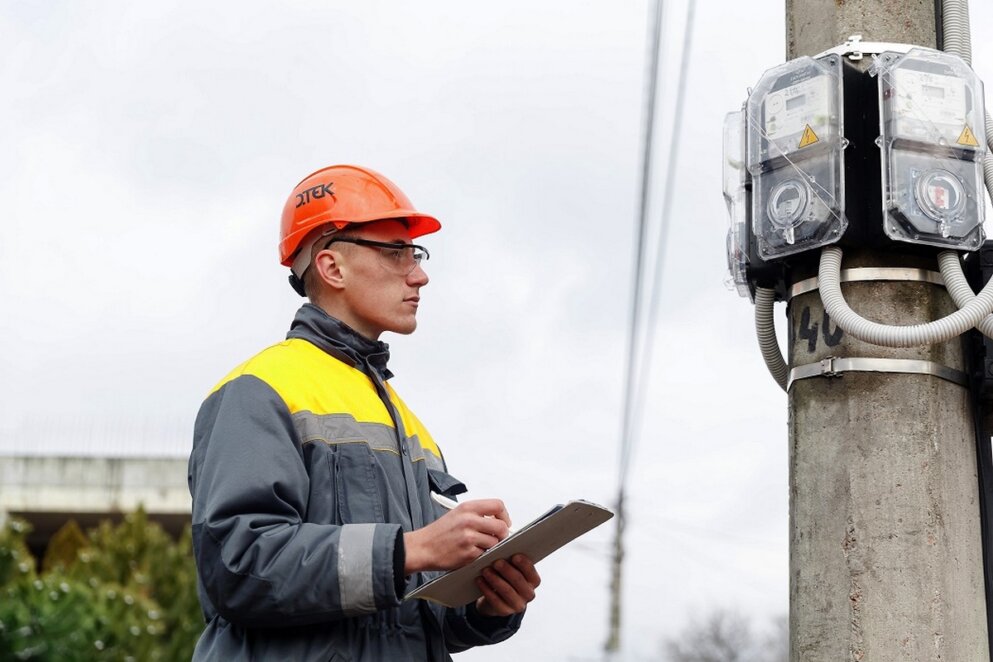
(797, 112)
(928, 106)
(789, 112)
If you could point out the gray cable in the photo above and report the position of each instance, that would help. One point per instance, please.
(956, 32)
(765, 330)
(887, 335)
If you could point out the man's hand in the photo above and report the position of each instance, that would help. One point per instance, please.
(457, 537)
(507, 586)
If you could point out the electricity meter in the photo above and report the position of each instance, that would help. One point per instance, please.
(930, 110)
(736, 198)
(796, 156)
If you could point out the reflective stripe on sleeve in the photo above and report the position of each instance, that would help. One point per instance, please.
(355, 551)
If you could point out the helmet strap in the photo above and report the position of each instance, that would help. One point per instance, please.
(297, 285)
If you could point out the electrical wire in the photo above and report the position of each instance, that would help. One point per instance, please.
(765, 331)
(639, 276)
(636, 378)
(613, 643)
(667, 199)
(888, 335)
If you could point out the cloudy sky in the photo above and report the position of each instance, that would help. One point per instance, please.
(147, 152)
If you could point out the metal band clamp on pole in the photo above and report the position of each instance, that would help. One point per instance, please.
(836, 367)
(863, 274)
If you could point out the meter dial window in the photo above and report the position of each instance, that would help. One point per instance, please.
(940, 195)
(788, 202)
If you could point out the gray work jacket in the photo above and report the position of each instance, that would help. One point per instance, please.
(306, 470)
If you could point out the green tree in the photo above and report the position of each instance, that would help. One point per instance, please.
(15, 559)
(64, 547)
(54, 617)
(123, 592)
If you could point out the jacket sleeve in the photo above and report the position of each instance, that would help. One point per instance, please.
(465, 628)
(260, 564)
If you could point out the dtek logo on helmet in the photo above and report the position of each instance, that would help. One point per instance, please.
(315, 193)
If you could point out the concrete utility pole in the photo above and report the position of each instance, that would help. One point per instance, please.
(885, 549)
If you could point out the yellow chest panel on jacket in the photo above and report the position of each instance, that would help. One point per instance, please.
(309, 379)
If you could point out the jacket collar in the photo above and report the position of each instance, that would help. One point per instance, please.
(340, 340)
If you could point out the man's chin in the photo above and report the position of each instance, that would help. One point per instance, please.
(405, 328)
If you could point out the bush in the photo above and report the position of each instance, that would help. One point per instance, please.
(121, 592)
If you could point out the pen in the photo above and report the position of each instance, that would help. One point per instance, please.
(444, 501)
(449, 504)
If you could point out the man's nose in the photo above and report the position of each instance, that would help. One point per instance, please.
(418, 277)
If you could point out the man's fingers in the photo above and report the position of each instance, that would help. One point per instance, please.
(483, 541)
(500, 596)
(508, 586)
(475, 516)
(492, 603)
(507, 593)
(515, 578)
(491, 526)
(504, 515)
(526, 567)
(488, 508)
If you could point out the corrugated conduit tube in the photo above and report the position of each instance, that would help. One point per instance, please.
(959, 288)
(765, 329)
(956, 33)
(886, 335)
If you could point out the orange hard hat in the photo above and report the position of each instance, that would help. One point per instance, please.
(340, 195)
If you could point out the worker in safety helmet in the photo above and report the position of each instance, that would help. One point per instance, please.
(312, 480)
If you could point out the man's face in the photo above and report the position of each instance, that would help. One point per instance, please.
(377, 297)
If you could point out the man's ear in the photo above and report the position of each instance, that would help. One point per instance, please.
(329, 269)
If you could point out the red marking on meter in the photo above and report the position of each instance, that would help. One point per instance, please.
(939, 196)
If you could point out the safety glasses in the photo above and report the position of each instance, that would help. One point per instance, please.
(397, 257)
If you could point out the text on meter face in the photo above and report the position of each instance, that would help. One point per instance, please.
(928, 106)
(789, 111)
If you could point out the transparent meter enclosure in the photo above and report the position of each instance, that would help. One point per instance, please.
(736, 198)
(932, 144)
(796, 156)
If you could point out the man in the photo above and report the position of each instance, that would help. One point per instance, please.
(310, 477)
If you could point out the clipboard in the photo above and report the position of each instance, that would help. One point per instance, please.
(556, 528)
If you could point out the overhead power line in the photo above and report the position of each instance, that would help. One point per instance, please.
(637, 367)
(655, 39)
(668, 195)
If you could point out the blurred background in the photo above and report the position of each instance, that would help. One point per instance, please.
(148, 149)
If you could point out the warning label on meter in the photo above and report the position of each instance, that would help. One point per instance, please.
(808, 138)
(968, 137)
